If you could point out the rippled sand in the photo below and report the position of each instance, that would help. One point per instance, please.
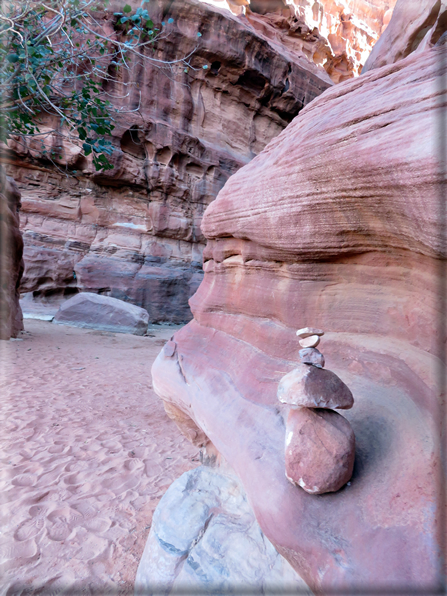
(87, 451)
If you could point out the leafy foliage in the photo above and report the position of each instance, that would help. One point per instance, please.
(55, 58)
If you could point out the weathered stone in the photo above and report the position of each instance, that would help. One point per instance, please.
(312, 356)
(337, 35)
(11, 261)
(308, 331)
(102, 312)
(204, 539)
(310, 342)
(311, 387)
(415, 27)
(320, 450)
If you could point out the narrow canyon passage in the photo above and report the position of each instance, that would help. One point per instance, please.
(87, 453)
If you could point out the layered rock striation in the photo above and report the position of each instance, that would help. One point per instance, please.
(133, 232)
(336, 224)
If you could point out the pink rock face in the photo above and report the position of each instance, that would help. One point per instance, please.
(311, 387)
(11, 261)
(336, 35)
(134, 232)
(336, 223)
(415, 27)
(320, 450)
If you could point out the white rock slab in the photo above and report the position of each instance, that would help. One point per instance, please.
(205, 539)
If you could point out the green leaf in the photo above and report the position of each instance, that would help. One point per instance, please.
(82, 133)
(127, 8)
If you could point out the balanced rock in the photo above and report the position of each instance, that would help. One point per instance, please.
(310, 342)
(308, 331)
(94, 311)
(311, 387)
(320, 450)
(312, 356)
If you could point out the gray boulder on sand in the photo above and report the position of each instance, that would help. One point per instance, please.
(94, 311)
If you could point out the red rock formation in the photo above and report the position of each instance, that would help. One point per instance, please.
(11, 261)
(336, 34)
(134, 232)
(334, 225)
(415, 27)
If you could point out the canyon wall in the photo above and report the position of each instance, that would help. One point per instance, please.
(11, 261)
(336, 34)
(338, 224)
(134, 232)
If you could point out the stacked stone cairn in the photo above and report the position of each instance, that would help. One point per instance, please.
(320, 443)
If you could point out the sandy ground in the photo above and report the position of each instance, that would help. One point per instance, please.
(87, 451)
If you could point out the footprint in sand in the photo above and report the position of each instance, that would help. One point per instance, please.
(74, 467)
(61, 584)
(85, 509)
(91, 547)
(72, 479)
(38, 511)
(59, 531)
(112, 446)
(17, 550)
(24, 480)
(152, 468)
(29, 529)
(121, 483)
(133, 464)
(57, 449)
(98, 525)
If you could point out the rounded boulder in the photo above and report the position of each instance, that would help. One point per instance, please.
(320, 450)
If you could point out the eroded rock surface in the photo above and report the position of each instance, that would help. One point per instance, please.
(133, 232)
(205, 539)
(335, 34)
(415, 27)
(11, 261)
(336, 223)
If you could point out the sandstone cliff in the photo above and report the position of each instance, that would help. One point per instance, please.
(134, 232)
(415, 27)
(336, 34)
(11, 261)
(337, 225)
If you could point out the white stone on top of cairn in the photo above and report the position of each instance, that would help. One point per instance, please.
(308, 331)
